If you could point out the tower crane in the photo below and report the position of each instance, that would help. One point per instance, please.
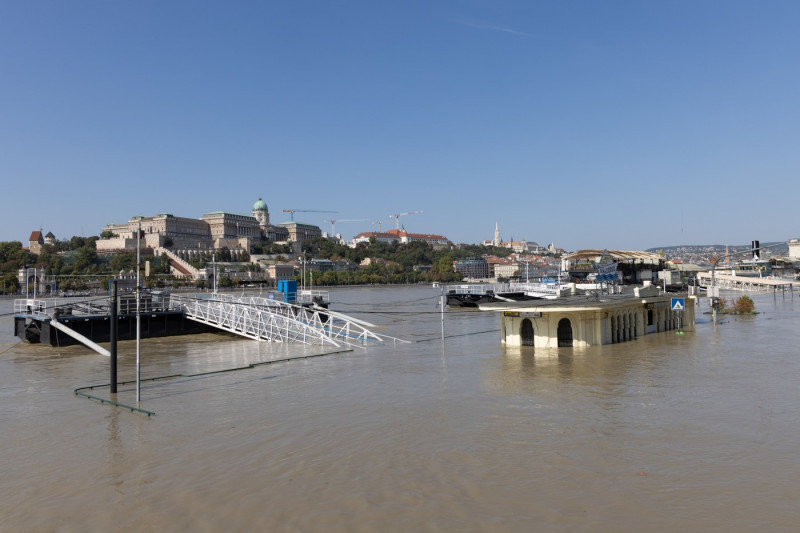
(293, 211)
(397, 216)
(334, 221)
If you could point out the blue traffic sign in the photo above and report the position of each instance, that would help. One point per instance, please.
(678, 304)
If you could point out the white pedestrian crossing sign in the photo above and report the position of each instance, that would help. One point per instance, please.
(678, 304)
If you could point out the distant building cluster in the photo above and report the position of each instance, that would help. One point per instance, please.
(36, 241)
(519, 246)
(504, 268)
(403, 237)
(211, 231)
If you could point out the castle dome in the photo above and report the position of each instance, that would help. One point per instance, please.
(260, 205)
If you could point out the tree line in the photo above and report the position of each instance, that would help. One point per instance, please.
(413, 262)
(73, 261)
(76, 259)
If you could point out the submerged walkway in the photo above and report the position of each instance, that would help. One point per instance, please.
(743, 283)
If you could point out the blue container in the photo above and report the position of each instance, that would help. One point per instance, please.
(288, 290)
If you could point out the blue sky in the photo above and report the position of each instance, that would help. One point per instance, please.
(614, 124)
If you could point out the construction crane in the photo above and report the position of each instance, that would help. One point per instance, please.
(397, 216)
(334, 221)
(379, 225)
(293, 211)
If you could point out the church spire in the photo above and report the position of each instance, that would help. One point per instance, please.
(496, 241)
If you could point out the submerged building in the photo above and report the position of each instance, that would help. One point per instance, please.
(593, 320)
(633, 267)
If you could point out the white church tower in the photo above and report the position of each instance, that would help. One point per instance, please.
(496, 240)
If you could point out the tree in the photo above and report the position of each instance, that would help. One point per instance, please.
(10, 283)
(86, 257)
(743, 306)
(76, 242)
(123, 261)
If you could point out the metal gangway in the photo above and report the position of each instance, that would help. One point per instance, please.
(548, 290)
(275, 321)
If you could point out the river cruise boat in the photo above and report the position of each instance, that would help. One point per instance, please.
(471, 295)
(752, 268)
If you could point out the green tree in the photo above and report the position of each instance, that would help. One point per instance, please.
(86, 257)
(10, 283)
(123, 261)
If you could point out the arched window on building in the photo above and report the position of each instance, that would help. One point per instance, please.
(564, 333)
(526, 332)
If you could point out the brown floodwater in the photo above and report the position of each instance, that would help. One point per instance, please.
(692, 432)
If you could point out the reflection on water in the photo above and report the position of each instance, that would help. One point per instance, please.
(668, 432)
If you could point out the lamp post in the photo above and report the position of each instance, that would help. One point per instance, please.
(138, 312)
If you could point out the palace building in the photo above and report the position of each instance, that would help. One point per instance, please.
(212, 231)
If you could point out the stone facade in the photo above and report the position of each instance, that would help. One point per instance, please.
(212, 231)
(299, 232)
(794, 249)
(280, 272)
(578, 322)
(35, 242)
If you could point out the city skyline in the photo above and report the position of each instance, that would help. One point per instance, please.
(624, 126)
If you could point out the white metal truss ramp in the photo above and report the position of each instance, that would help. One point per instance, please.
(743, 283)
(274, 321)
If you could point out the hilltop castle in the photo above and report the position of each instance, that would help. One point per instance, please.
(211, 231)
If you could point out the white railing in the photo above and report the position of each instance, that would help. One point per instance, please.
(474, 289)
(307, 297)
(195, 273)
(275, 321)
(302, 296)
(36, 307)
(542, 290)
(742, 283)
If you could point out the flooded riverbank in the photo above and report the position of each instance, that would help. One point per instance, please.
(668, 432)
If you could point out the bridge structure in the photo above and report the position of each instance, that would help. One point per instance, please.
(272, 320)
(744, 283)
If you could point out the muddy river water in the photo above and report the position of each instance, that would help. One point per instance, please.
(692, 432)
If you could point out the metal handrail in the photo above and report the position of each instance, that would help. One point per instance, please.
(272, 320)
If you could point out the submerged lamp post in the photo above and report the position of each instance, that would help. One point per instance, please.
(138, 313)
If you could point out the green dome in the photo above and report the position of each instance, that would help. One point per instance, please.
(260, 206)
